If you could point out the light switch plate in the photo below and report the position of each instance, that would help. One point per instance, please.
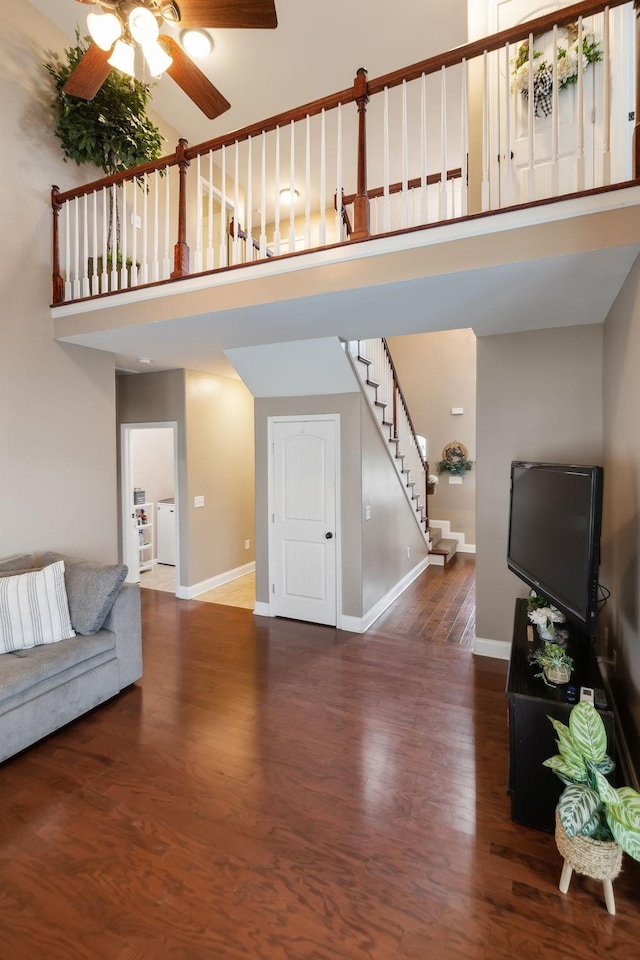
(198, 501)
(367, 513)
(457, 410)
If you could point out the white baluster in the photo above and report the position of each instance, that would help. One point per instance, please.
(104, 276)
(124, 279)
(405, 157)
(322, 238)
(485, 134)
(555, 120)
(338, 228)
(579, 167)
(68, 288)
(442, 205)
(236, 206)
(155, 266)
(248, 248)
(387, 196)
(506, 166)
(263, 199)
(86, 288)
(223, 211)
(464, 140)
(114, 237)
(276, 226)
(307, 185)
(144, 273)
(197, 255)
(424, 214)
(292, 186)
(95, 289)
(77, 289)
(133, 280)
(606, 105)
(210, 259)
(531, 193)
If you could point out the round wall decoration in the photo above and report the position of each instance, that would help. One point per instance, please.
(454, 451)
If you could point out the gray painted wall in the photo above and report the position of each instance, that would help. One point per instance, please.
(539, 398)
(620, 570)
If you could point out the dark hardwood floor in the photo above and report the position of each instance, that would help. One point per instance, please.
(278, 790)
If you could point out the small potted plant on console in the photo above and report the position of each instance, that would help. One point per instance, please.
(595, 822)
(555, 662)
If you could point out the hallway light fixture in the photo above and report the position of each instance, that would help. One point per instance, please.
(197, 43)
(285, 195)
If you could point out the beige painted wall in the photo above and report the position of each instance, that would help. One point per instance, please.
(621, 520)
(391, 529)
(215, 460)
(57, 422)
(437, 371)
(539, 398)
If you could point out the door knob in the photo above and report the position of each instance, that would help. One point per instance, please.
(329, 536)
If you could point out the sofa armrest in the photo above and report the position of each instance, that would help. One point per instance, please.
(124, 621)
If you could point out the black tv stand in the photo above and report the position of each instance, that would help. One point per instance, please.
(534, 789)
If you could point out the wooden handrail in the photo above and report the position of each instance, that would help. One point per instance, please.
(243, 235)
(134, 173)
(469, 51)
(396, 383)
(413, 184)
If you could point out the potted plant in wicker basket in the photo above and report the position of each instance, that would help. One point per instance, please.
(555, 662)
(595, 822)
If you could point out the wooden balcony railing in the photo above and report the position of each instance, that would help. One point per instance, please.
(444, 138)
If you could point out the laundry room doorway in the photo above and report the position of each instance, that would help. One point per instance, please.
(150, 541)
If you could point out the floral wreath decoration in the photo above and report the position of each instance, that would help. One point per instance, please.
(567, 59)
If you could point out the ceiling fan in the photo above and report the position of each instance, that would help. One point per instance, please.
(123, 24)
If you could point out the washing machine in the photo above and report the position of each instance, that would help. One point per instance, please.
(166, 531)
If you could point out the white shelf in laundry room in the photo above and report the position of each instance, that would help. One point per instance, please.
(143, 511)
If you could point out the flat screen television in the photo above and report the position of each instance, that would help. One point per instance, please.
(555, 518)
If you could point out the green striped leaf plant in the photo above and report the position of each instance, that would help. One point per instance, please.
(590, 805)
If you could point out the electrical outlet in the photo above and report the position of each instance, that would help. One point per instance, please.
(408, 553)
(247, 544)
(367, 513)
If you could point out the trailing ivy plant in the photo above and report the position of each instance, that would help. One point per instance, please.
(112, 131)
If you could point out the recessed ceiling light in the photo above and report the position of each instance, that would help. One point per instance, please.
(197, 43)
(285, 195)
(144, 359)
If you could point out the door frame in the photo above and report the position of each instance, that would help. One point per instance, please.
(335, 417)
(126, 482)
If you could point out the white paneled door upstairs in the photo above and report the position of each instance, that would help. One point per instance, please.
(303, 519)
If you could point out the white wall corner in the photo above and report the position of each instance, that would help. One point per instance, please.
(351, 624)
(262, 609)
(497, 649)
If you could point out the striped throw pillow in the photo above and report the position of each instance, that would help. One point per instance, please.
(34, 609)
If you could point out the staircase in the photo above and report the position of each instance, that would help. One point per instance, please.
(376, 371)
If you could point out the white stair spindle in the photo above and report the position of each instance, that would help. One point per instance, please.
(555, 121)
(531, 192)
(387, 196)
(424, 214)
(134, 232)
(292, 186)
(307, 185)
(248, 247)
(442, 205)
(339, 191)
(464, 141)
(144, 272)
(77, 289)
(124, 279)
(236, 205)
(166, 262)
(68, 288)
(506, 165)
(104, 276)
(223, 211)
(276, 225)
(210, 259)
(579, 170)
(155, 267)
(606, 102)
(405, 158)
(197, 254)
(114, 237)
(86, 288)
(95, 288)
(485, 133)
(322, 239)
(263, 199)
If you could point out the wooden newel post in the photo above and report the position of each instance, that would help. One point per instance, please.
(181, 250)
(636, 129)
(58, 282)
(361, 202)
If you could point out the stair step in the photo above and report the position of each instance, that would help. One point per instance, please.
(445, 549)
(373, 383)
(364, 360)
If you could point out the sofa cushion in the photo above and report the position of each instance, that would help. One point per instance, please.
(25, 668)
(34, 609)
(22, 561)
(91, 587)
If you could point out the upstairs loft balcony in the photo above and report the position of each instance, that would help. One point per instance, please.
(458, 165)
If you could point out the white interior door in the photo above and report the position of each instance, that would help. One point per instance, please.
(304, 514)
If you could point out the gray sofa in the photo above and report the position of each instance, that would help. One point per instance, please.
(45, 687)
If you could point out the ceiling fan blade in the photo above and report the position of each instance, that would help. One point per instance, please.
(250, 14)
(89, 75)
(193, 81)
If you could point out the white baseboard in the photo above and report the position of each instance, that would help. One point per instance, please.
(497, 649)
(466, 548)
(362, 624)
(262, 609)
(188, 593)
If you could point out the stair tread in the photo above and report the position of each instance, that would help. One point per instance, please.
(445, 546)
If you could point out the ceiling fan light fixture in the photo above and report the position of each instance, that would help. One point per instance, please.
(158, 60)
(123, 58)
(197, 43)
(105, 29)
(286, 197)
(143, 26)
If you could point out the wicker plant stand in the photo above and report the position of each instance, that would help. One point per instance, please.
(598, 859)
